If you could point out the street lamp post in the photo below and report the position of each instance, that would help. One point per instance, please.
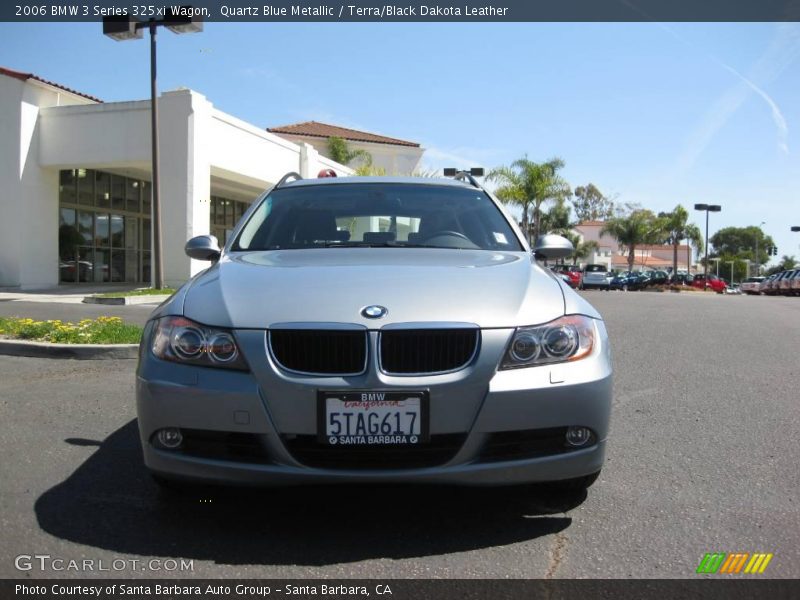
(127, 28)
(731, 263)
(708, 208)
(716, 262)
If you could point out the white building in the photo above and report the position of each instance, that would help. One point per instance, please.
(75, 180)
(610, 253)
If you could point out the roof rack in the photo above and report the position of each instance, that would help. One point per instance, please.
(284, 179)
(464, 175)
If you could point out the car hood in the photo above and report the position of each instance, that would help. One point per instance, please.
(262, 289)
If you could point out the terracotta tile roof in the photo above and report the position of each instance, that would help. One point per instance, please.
(661, 247)
(26, 76)
(323, 130)
(591, 223)
(647, 261)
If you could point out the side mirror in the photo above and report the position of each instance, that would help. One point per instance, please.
(203, 247)
(551, 246)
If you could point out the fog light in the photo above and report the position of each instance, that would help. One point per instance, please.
(578, 436)
(171, 437)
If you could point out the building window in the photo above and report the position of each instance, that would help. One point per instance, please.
(68, 187)
(104, 227)
(85, 187)
(225, 213)
(102, 189)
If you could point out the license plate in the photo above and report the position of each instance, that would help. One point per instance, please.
(372, 418)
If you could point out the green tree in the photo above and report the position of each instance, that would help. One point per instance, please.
(556, 219)
(741, 242)
(529, 185)
(638, 228)
(340, 151)
(582, 248)
(739, 267)
(677, 228)
(591, 205)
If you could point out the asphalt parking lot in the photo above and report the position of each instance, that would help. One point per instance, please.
(703, 458)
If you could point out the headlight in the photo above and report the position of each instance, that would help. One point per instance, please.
(180, 340)
(565, 339)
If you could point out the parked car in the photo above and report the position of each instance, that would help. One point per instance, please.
(644, 278)
(772, 286)
(573, 272)
(785, 282)
(565, 278)
(714, 282)
(751, 285)
(596, 277)
(628, 281)
(658, 277)
(318, 349)
(795, 287)
(733, 289)
(681, 278)
(766, 285)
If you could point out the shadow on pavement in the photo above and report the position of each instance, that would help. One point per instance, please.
(110, 502)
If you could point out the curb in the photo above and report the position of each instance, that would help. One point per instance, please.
(75, 351)
(125, 300)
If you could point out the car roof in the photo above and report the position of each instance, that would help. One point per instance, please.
(441, 181)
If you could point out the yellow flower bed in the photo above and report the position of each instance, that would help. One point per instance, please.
(102, 330)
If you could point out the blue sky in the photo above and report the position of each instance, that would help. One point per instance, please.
(657, 114)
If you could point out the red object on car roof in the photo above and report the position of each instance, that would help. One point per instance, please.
(326, 173)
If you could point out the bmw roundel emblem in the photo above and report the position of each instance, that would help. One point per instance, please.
(374, 311)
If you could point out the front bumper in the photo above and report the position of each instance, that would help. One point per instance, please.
(477, 405)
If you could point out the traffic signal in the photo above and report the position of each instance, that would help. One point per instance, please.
(774, 251)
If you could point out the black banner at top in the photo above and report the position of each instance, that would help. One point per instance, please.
(406, 10)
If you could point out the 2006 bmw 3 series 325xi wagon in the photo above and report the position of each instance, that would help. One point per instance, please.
(375, 329)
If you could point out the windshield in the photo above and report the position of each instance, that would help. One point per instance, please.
(377, 215)
(595, 269)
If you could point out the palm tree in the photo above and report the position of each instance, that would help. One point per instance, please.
(369, 170)
(677, 229)
(582, 249)
(528, 184)
(635, 229)
(340, 151)
(695, 238)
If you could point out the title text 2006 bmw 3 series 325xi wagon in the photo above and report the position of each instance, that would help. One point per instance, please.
(375, 330)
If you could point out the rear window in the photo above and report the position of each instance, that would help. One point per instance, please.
(596, 268)
(377, 214)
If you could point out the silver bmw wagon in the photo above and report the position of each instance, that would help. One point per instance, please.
(375, 329)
